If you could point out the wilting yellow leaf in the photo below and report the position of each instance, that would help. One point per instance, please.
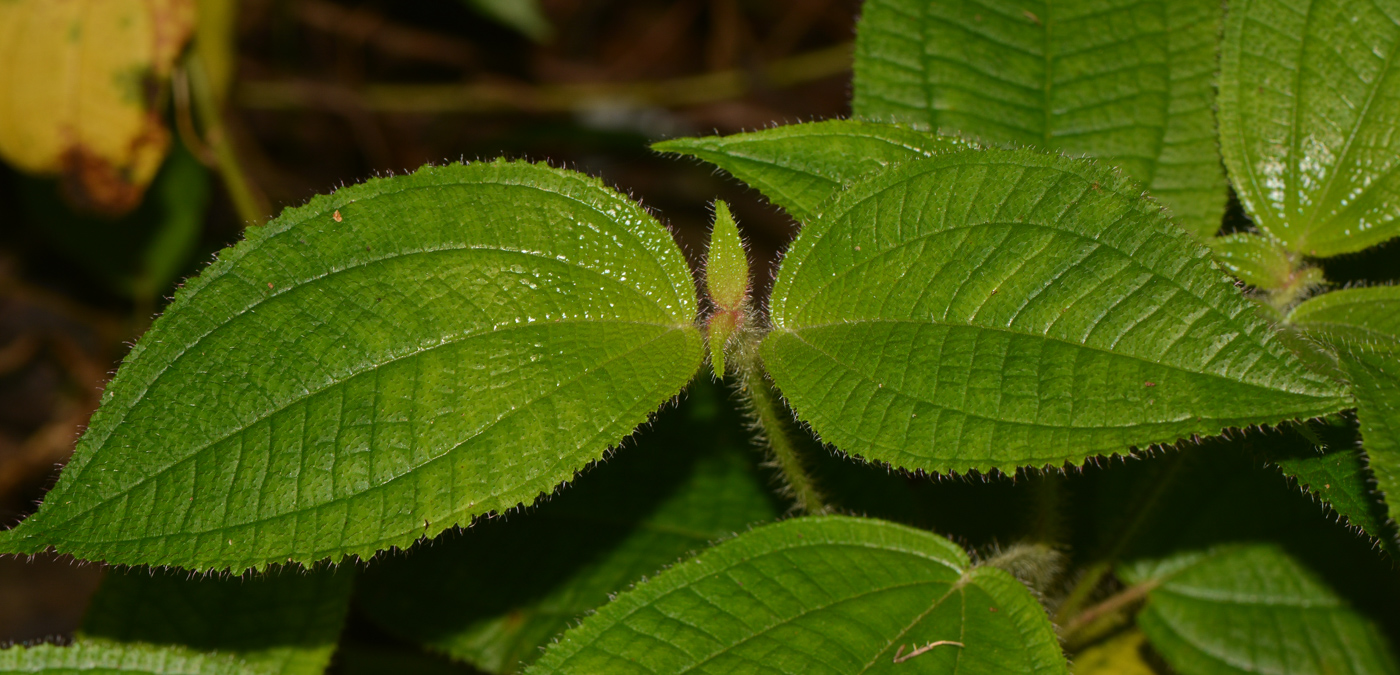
(81, 82)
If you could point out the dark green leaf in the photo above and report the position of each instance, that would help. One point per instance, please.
(102, 658)
(1335, 473)
(522, 15)
(286, 622)
(800, 166)
(471, 597)
(1128, 81)
(1253, 609)
(827, 594)
(378, 366)
(1308, 120)
(992, 309)
(1375, 381)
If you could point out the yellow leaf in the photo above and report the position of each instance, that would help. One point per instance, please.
(81, 82)
(1121, 654)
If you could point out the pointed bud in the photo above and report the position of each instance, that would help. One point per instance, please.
(727, 264)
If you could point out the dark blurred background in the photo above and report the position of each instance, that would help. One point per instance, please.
(328, 93)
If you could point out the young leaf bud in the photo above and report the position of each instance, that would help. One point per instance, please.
(727, 281)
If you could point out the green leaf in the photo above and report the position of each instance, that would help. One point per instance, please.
(727, 283)
(684, 486)
(522, 15)
(1375, 381)
(1308, 120)
(286, 622)
(1361, 317)
(828, 594)
(1337, 475)
(1128, 81)
(101, 658)
(1258, 261)
(993, 309)
(800, 166)
(1253, 609)
(378, 366)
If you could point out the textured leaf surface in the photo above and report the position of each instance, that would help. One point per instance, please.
(286, 622)
(1339, 477)
(377, 366)
(101, 658)
(1128, 81)
(1309, 110)
(992, 309)
(800, 166)
(1363, 317)
(1258, 261)
(683, 486)
(1375, 381)
(817, 595)
(1253, 609)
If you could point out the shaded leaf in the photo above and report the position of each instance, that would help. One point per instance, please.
(1253, 609)
(469, 596)
(1375, 381)
(80, 92)
(1308, 120)
(1361, 317)
(522, 15)
(101, 658)
(378, 366)
(1335, 473)
(827, 594)
(286, 622)
(800, 166)
(1127, 81)
(1026, 310)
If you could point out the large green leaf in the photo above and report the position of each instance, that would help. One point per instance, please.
(996, 309)
(286, 622)
(683, 486)
(800, 166)
(1362, 317)
(377, 366)
(1308, 120)
(1253, 609)
(102, 658)
(826, 594)
(1129, 81)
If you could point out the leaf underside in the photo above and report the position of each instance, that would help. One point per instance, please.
(1126, 81)
(102, 658)
(800, 166)
(1254, 609)
(996, 309)
(286, 622)
(386, 362)
(1309, 114)
(470, 597)
(817, 595)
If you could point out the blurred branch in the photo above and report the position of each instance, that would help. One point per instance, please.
(367, 27)
(250, 203)
(479, 97)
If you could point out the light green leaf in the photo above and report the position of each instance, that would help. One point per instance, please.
(684, 486)
(375, 367)
(1128, 81)
(286, 622)
(1308, 117)
(995, 309)
(102, 658)
(1361, 317)
(522, 15)
(1253, 609)
(1375, 381)
(800, 166)
(1258, 261)
(827, 594)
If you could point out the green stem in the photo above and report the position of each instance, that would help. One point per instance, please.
(774, 427)
(250, 203)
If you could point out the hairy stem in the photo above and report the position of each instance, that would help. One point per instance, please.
(774, 427)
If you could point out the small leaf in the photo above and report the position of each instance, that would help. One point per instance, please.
(470, 597)
(800, 166)
(828, 594)
(1307, 120)
(522, 15)
(1127, 81)
(1258, 261)
(1253, 609)
(105, 658)
(285, 622)
(80, 92)
(1375, 381)
(727, 281)
(1337, 475)
(377, 366)
(992, 309)
(1360, 317)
